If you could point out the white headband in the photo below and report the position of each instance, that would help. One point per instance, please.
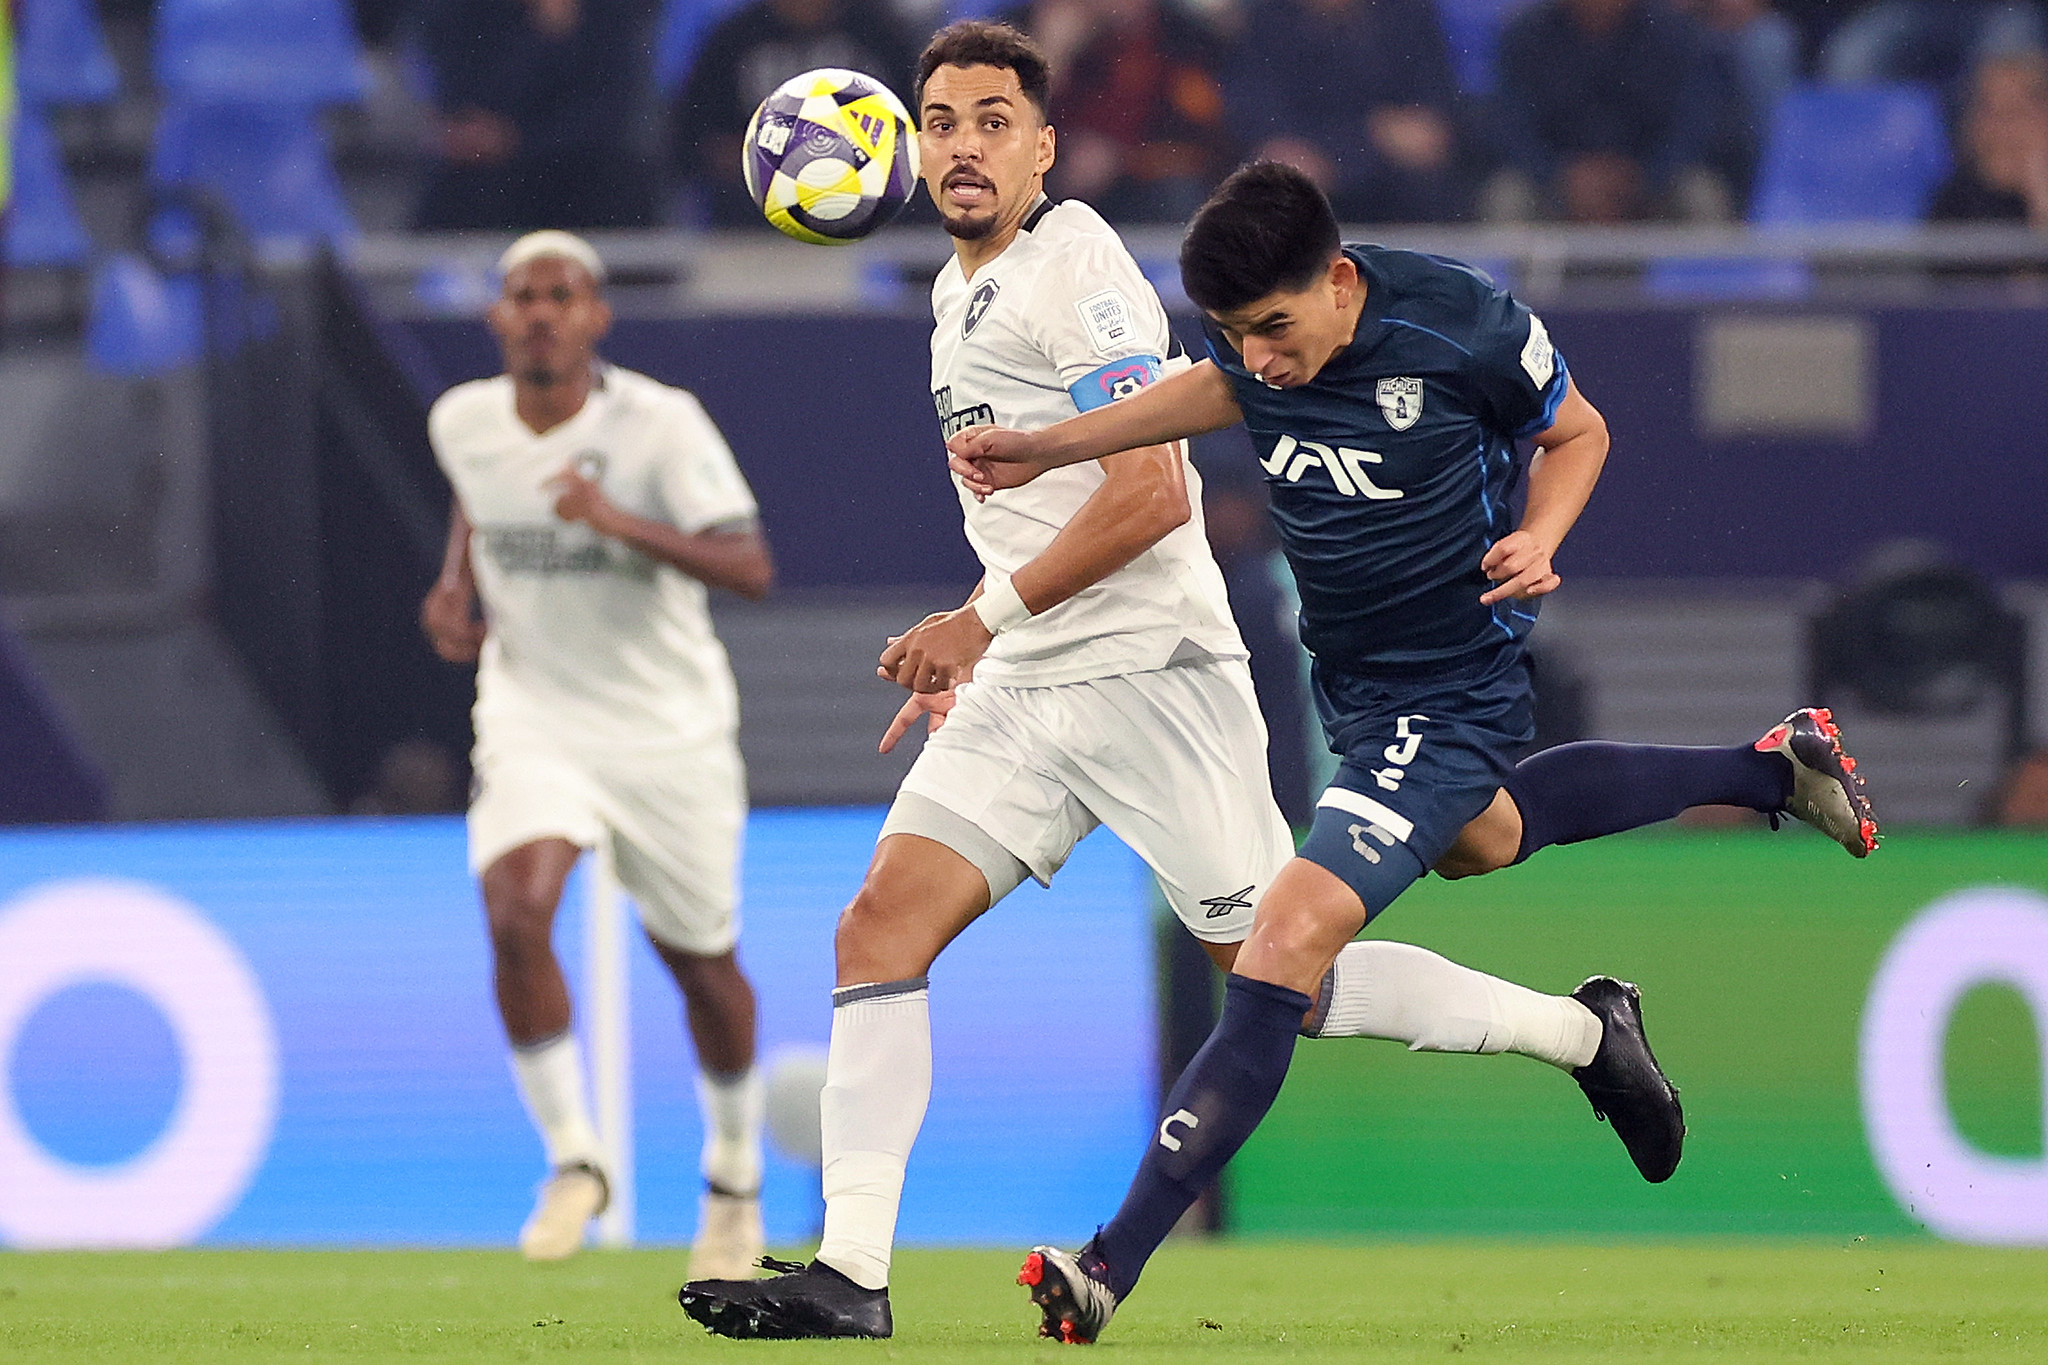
(566, 245)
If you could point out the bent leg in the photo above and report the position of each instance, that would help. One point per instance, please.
(919, 894)
(522, 889)
(1226, 1090)
(1378, 989)
(1582, 791)
(718, 1003)
(1490, 842)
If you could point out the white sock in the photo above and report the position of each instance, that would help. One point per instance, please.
(550, 1076)
(878, 1079)
(1414, 996)
(732, 1107)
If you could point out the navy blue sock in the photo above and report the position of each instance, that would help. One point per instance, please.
(1582, 791)
(1209, 1114)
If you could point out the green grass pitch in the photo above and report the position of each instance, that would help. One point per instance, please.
(1721, 1302)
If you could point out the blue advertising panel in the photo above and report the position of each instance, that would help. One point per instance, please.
(283, 1032)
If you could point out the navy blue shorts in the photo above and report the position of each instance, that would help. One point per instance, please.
(1422, 758)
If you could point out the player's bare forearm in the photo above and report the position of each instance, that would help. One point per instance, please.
(1196, 400)
(733, 558)
(1144, 495)
(1570, 455)
(448, 613)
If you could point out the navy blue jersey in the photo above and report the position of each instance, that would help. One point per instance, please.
(1391, 471)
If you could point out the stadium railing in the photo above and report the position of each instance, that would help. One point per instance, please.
(670, 271)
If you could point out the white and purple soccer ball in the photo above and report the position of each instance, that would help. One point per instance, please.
(830, 156)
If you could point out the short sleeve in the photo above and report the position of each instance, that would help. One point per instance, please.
(1098, 320)
(439, 418)
(1520, 375)
(701, 485)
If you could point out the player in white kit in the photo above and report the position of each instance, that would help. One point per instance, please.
(1108, 686)
(593, 508)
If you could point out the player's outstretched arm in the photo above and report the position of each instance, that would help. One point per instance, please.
(735, 558)
(1570, 453)
(448, 614)
(1143, 496)
(1196, 400)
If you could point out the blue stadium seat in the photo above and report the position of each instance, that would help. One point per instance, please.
(286, 52)
(62, 55)
(268, 165)
(1473, 27)
(1851, 154)
(42, 225)
(140, 324)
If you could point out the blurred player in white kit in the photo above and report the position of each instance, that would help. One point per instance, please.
(1108, 686)
(593, 509)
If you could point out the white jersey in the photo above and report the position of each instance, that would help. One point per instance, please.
(607, 651)
(1062, 321)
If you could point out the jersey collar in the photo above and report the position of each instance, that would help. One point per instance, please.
(1371, 328)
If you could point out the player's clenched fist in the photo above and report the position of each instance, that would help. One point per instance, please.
(990, 458)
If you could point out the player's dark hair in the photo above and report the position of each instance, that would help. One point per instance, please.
(1267, 228)
(979, 42)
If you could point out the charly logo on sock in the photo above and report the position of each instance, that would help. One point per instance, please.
(1168, 1140)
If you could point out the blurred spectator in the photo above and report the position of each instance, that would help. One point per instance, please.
(1359, 95)
(751, 51)
(1763, 48)
(1137, 102)
(1611, 110)
(2002, 174)
(414, 777)
(1927, 40)
(542, 114)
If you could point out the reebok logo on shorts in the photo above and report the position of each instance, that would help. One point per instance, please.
(1219, 906)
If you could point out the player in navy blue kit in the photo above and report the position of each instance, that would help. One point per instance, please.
(1386, 393)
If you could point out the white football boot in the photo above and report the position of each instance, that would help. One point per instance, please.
(729, 1237)
(572, 1196)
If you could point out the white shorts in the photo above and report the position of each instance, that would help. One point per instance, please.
(1173, 761)
(672, 824)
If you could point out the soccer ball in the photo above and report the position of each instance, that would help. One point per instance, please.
(795, 1081)
(830, 156)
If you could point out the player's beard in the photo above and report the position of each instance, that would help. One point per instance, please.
(971, 225)
(969, 228)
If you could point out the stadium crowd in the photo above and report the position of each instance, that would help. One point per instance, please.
(517, 114)
(1592, 111)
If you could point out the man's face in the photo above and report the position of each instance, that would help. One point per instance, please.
(984, 148)
(549, 320)
(1289, 335)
